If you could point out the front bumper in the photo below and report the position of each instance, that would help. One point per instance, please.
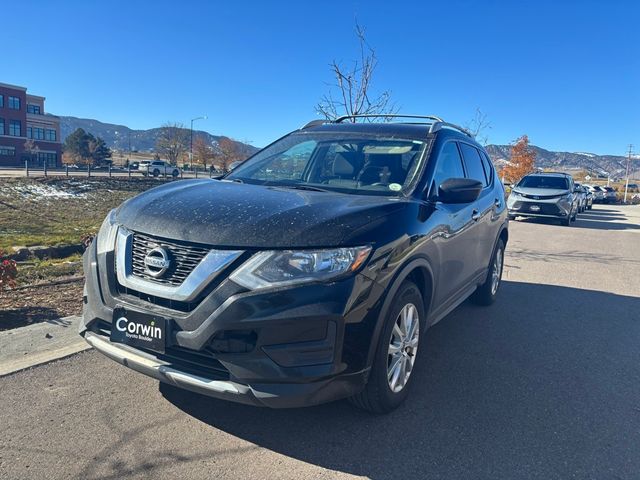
(524, 207)
(283, 348)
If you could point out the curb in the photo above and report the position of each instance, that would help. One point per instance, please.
(26, 347)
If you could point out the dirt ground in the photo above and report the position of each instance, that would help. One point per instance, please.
(39, 303)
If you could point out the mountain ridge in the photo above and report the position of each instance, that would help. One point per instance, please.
(122, 138)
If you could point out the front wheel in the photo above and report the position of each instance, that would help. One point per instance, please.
(486, 293)
(395, 359)
(175, 174)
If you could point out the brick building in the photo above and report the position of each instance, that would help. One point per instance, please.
(22, 117)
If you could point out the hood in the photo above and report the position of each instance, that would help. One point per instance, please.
(229, 214)
(541, 192)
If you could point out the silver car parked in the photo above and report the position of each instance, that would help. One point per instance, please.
(547, 195)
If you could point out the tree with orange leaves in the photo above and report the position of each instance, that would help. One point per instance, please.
(522, 161)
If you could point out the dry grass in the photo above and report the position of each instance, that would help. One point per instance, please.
(54, 211)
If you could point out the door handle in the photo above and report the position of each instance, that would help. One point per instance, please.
(475, 215)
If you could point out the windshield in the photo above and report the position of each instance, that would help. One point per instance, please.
(540, 181)
(343, 162)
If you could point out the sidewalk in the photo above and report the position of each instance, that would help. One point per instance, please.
(44, 342)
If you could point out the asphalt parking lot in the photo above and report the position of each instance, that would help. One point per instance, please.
(543, 384)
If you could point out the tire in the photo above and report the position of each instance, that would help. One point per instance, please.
(486, 293)
(566, 222)
(156, 172)
(378, 395)
(175, 174)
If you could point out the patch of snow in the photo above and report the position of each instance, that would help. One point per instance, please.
(38, 192)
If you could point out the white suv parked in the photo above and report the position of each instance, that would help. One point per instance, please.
(158, 167)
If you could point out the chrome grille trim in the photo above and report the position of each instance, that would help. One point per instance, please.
(203, 273)
(185, 258)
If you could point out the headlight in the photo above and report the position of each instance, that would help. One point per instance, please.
(107, 233)
(278, 268)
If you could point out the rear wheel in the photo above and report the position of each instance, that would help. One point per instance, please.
(395, 359)
(156, 172)
(487, 292)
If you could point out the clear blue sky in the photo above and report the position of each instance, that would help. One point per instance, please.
(567, 73)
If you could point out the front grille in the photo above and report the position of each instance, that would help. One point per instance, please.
(184, 258)
(541, 197)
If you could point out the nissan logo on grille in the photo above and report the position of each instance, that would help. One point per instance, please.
(157, 262)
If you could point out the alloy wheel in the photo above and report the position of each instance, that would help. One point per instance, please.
(496, 271)
(403, 347)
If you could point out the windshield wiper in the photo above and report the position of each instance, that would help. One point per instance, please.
(300, 187)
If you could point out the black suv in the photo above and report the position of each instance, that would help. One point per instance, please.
(309, 273)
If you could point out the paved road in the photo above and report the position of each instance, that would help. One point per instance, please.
(544, 384)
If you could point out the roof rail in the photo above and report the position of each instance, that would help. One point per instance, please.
(315, 123)
(387, 115)
(442, 124)
(436, 123)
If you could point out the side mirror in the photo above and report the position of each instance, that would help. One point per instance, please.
(577, 190)
(459, 190)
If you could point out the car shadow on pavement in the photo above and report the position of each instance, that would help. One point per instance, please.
(543, 384)
(21, 317)
(600, 219)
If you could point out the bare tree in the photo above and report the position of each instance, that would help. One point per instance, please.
(202, 151)
(229, 151)
(478, 126)
(33, 149)
(351, 94)
(173, 141)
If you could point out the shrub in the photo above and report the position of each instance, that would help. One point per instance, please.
(8, 272)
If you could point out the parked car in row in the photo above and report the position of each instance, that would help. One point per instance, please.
(546, 195)
(584, 196)
(597, 192)
(610, 195)
(309, 273)
(581, 197)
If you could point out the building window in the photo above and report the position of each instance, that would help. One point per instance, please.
(1, 126)
(14, 128)
(7, 151)
(14, 103)
(36, 132)
(50, 135)
(1, 100)
(50, 159)
(35, 109)
(29, 132)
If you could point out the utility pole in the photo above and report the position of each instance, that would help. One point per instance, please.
(191, 140)
(626, 185)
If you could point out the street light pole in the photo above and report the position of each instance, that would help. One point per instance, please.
(626, 185)
(191, 139)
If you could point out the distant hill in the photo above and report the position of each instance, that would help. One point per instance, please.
(603, 165)
(118, 137)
